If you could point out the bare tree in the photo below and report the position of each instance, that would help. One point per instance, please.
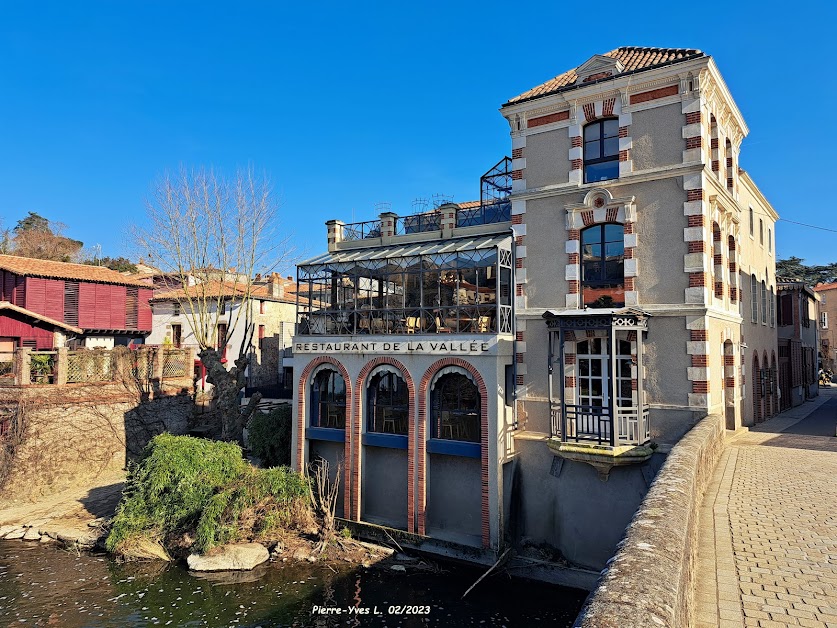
(210, 236)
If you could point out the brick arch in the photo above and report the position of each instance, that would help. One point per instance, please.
(422, 441)
(300, 419)
(757, 415)
(768, 406)
(411, 417)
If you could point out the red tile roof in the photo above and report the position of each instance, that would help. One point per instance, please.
(229, 289)
(632, 58)
(825, 286)
(28, 266)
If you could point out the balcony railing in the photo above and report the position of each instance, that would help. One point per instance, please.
(584, 423)
(395, 321)
(418, 223)
(362, 230)
(484, 214)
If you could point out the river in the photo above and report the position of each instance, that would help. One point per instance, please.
(45, 586)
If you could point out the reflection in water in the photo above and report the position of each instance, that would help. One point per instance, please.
(43, 586)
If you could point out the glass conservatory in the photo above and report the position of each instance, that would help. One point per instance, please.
(455, 286)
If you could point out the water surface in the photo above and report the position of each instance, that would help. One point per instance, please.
(45, 586)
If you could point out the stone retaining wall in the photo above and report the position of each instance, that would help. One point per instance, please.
(75, 432)
(650, 580)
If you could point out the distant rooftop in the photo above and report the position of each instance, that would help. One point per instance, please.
(27, 266)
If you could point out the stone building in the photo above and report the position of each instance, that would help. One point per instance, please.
(272, 315)
(797, 310)
(498, 371)
(826, 319)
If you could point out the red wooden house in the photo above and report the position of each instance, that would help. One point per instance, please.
(44, 303)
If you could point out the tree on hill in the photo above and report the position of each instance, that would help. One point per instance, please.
(119, 264)
(794, 268)
(199, 220)
(41, 238)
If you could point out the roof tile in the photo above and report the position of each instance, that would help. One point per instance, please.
(28, 266)
(631, 57)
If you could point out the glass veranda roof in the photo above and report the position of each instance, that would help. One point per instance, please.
(415, 249)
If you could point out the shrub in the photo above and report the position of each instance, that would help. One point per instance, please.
(201, 487)
(269, 436)
(170, 486)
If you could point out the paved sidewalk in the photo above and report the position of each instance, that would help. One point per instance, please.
(767, 552)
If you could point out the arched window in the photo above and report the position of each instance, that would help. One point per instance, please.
(328, 400)
(455, 409)
(754, 297)
(602, 265)
(763, 303)
(601, 150)
(388, 402)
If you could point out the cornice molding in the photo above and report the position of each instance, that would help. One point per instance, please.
(640, 176)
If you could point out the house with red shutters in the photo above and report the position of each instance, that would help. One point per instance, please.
(46, 305)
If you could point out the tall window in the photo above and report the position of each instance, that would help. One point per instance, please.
(772, 308)
(328, 400)
(602, 265)
(601, 150)
(761, 232)
(388, 403)
(754, 297)
(763, 303)
(769, 240)
(752, 222)
(455, 409)
(176, 335)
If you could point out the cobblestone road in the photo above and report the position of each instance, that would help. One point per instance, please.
(768, 527)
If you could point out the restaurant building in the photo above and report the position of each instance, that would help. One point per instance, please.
(505, 370)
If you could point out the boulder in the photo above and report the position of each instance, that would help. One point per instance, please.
(232, 557)
(17, 533)
(32, 534)
(4, 530)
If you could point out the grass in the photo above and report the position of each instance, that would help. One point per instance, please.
(204, 491)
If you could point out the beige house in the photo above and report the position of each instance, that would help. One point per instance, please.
(272, 314)
(504, 367)
(826, 319)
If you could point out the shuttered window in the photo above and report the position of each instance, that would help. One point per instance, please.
(71, 303)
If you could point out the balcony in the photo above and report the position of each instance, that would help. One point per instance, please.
(461, 286)
(494, 207)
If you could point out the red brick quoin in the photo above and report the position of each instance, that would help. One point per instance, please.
(300, 422)
(411, 422)
(422, 442)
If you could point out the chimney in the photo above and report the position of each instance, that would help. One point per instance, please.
(276, 287)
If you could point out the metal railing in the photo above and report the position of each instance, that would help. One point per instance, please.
(594, 423)
(484, 214)
(361, 230)
(417, 223)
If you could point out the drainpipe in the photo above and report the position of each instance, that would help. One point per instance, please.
(513, 290)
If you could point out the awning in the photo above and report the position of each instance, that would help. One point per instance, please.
(414, 249)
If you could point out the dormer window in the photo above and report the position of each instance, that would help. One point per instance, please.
(601, 150)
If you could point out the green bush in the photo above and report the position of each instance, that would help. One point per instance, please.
(269, 436)
(206, 488)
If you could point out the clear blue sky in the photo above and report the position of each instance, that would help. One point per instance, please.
(347, 105)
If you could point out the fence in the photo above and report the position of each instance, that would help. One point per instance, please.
(62, 366)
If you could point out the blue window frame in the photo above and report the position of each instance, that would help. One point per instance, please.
(388, 402)
(328, 401)
(601, 150)
(455, 414)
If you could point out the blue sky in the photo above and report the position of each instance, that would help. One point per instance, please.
(348, 105)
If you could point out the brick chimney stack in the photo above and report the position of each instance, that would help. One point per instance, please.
(276, 286)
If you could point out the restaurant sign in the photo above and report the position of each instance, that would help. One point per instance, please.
(388, 347)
